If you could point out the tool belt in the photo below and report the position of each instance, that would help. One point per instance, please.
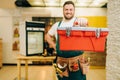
(73, 64)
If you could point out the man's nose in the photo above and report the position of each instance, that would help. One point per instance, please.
(68, 11)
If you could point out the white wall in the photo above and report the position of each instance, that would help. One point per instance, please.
(25, 14)
(113, 41)
(6, 35)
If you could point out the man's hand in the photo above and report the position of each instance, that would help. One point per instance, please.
(81, 22)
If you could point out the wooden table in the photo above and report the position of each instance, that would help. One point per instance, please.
(30, 58)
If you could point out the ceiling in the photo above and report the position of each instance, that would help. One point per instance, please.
(59, 3)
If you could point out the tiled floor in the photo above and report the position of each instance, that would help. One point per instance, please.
(44, 73)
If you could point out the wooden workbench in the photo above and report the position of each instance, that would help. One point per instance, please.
(30, 58)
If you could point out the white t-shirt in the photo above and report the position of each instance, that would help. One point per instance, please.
(64, 23)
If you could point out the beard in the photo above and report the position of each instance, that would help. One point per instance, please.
(68, 17)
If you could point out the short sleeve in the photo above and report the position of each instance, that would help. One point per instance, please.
(53, 30)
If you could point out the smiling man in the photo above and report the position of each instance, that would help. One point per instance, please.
(68, 62)
(68, 11)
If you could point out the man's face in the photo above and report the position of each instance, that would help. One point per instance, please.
(68, 11)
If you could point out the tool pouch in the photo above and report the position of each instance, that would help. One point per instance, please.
(84, 66)
(62, 65)
(74, 65)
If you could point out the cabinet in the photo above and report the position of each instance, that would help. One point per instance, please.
(96, 58)
(0, 52)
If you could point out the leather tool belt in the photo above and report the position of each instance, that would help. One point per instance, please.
(73, 64)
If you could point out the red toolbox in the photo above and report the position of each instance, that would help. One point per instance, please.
(82, 38)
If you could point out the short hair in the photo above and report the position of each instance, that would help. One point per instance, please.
(68, 2)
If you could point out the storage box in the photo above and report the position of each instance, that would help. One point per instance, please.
(82, 38)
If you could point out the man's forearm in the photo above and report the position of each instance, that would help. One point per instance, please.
(50, 41)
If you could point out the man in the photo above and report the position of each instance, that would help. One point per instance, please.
(70, 72)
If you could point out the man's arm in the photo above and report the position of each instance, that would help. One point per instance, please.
(50, 40)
